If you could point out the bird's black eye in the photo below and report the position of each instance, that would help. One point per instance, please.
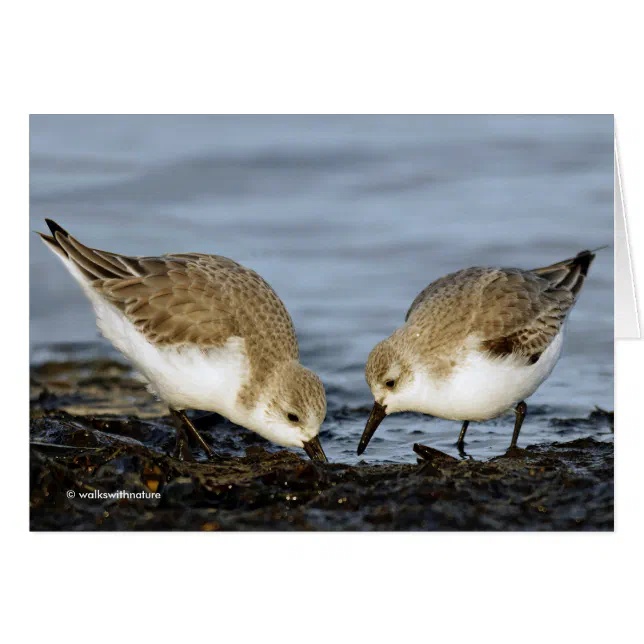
(293, 418)
(390, 383)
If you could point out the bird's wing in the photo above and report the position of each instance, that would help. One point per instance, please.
(187, 298)
(521, 312)
(510, 311)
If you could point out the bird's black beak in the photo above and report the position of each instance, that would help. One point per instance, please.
(315, 451)
(375, 418)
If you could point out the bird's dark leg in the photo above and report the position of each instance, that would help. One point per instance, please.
(181, 445)
(183, 424)
(521, 410)
(461, 437)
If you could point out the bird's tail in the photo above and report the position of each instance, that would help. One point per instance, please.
(570, 273)
(88, 263)
(51, 241)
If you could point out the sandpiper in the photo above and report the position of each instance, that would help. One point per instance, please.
(206, 333)
(475, 343)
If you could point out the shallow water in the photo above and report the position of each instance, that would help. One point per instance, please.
(348, 218)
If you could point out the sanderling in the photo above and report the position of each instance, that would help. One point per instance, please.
(205, 333)
(474, 344)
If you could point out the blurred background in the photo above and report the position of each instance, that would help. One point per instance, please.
(348, 218)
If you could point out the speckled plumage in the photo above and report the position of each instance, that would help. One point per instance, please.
(501, 310)
(475, 343)
(203, 330)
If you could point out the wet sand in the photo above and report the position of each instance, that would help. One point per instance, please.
(95, 428)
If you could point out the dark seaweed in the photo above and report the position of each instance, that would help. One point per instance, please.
(85, 436)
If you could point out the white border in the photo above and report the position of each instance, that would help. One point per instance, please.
(461, 57)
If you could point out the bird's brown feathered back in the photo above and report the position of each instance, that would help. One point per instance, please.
(187, 298)
(512, 311)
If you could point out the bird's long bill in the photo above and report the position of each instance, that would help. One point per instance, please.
(314, 450)
(375, 418)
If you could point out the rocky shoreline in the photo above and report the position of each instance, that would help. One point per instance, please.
(94, 429)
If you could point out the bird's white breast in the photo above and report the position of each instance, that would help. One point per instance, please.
(483, 387)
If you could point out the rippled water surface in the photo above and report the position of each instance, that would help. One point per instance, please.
(348, 218)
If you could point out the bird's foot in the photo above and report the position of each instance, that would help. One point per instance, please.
(431, 454)
(460, 446)
(183, 452)
(516, 452)
(184, 428)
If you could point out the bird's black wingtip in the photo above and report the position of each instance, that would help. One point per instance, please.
(584, 259)
(55, 228)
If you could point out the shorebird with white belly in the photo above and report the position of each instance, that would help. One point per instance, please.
(475, 343)
(206, 333)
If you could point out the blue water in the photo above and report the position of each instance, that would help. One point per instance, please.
(348, 218)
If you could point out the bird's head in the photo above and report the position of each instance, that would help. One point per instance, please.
(294, 409)
(392, 381)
